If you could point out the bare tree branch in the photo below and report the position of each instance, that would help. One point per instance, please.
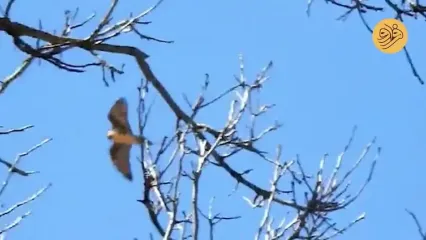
(16, 130)
(404, 10)
(30, 199)
(17, 170)
(16, 162)
(195, 146)
(13, 168)
(419, 226)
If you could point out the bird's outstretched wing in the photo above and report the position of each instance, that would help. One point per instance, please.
(120, 156)
(118, 116)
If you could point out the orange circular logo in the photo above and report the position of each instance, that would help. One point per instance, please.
(390, 36)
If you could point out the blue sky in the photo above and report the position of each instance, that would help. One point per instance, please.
(327, 77)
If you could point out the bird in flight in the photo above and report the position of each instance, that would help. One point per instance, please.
(122, 138)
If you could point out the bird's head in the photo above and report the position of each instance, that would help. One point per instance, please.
(110, 134)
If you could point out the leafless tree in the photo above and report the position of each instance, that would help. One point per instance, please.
(311, 200)
(403, 10)
(13, 169)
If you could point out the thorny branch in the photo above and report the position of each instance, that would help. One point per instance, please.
(402, 10)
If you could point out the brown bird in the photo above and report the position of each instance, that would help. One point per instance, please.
(122, 137)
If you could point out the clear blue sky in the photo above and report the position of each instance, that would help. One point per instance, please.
(327, 77)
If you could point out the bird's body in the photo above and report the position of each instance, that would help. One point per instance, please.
(122, 137)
